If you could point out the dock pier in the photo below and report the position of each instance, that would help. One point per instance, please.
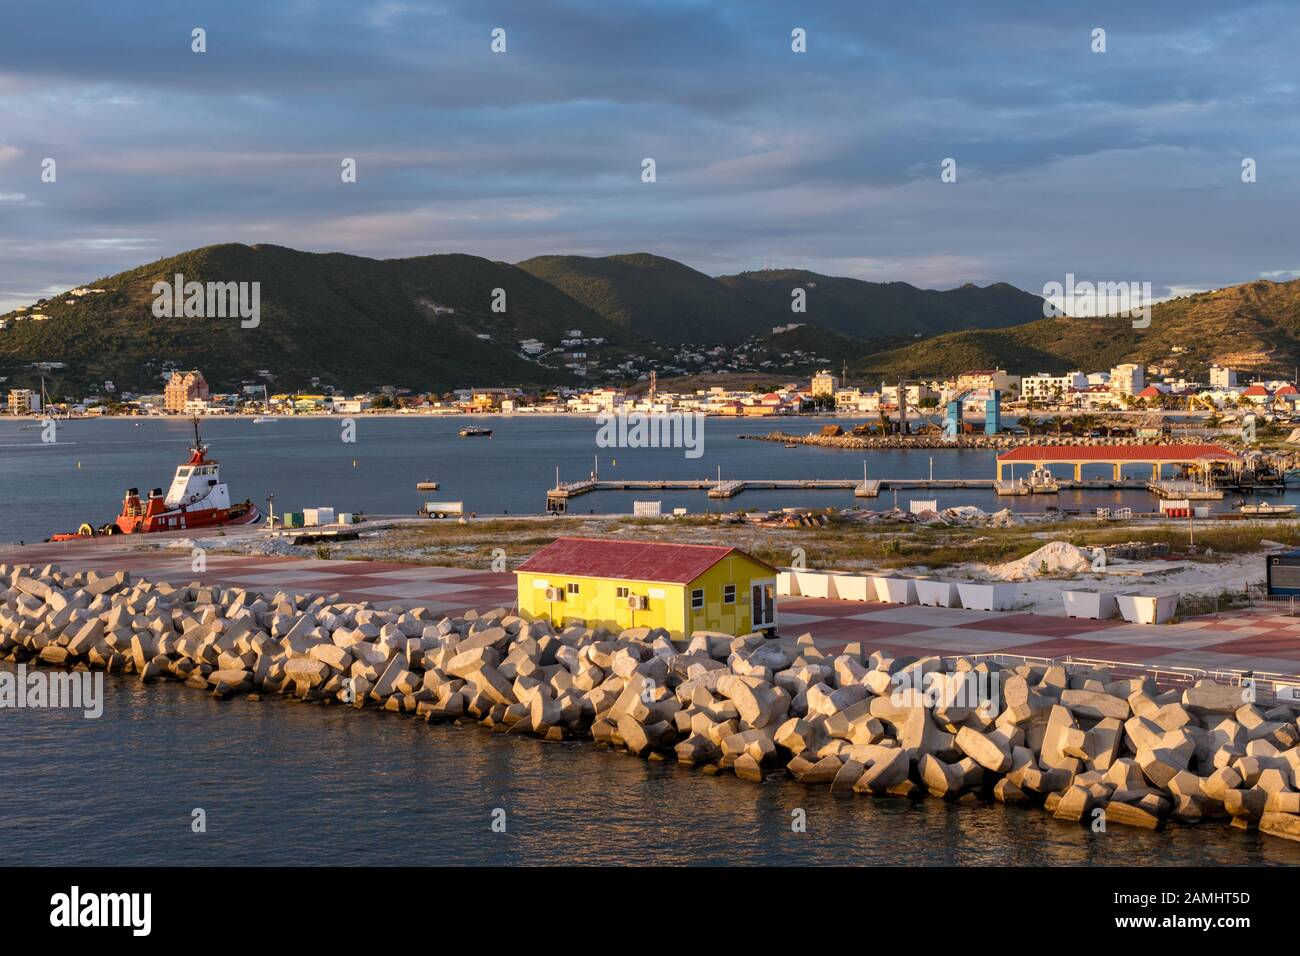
(862, 488)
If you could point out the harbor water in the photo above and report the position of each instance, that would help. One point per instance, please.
(282, 782)
(306, 462)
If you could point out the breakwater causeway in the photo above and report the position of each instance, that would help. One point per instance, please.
(737, 709)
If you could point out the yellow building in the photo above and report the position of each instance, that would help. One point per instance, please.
(681, 588)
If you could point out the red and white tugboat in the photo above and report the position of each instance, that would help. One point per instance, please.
(197, 498)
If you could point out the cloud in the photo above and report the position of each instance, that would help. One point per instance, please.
(1116, 166)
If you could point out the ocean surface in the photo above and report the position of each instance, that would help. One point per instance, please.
(48, 488)
(291, 783)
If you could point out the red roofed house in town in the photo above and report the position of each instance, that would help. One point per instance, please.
(618, 584)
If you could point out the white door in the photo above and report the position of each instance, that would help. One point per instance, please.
(762, 603)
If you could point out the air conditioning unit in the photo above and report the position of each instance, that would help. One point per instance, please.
(555, 594)
(636, 602)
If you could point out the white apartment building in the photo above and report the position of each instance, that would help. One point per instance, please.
(1221, 377)
(1051, 388)
(1127, 379)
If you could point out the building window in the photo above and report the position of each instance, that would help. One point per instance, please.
(572, 588)
(621, 592)
(729, 594)
(697, 599)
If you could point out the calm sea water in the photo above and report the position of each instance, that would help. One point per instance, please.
(45, 488)
(285, 782)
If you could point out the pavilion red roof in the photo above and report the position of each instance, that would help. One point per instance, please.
(628, 560)
(1119, 453)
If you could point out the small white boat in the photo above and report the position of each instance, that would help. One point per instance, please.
(1264, 508)
(264, 420)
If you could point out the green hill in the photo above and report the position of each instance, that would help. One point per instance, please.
(871, 310)
(1254, 327)
(652, 296)
(423, 323)
(669, 302)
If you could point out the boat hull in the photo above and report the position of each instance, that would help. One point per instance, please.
(186, 520)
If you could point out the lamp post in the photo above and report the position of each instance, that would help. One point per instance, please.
(270, 510)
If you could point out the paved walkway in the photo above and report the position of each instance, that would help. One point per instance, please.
(1250, 639)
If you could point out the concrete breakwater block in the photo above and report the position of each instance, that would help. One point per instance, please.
(937, 593)
(987, 597)
(1147, 608)
(1069, 739)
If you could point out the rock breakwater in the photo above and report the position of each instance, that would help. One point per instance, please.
(1079, 742)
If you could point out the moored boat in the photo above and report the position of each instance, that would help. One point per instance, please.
(470, 432)
(197, 498)
(1264, 508)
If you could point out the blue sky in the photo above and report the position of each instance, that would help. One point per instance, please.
(1115, 166)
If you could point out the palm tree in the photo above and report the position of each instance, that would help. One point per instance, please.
(1058, 422)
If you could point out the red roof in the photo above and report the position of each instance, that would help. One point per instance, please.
(1121, 453)
(1286, 390)
(1256, 390)
(628, 560)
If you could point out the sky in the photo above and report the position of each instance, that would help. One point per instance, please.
(1122, 165)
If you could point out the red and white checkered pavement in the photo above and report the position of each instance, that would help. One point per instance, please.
(1250, 639)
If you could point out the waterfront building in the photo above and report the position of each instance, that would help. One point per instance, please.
(183, 388)
(1051, 388)
(23, 401)
(1092, 398)
(1127, 379)
(824, 384)
(681, 588)
(988, 378)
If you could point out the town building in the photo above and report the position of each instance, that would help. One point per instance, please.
(1127, 379)
(23, 401)
(824, 384)
(183, 388)
(681, 588)
(1221, 377)
(1008, 385)
(1051, 388)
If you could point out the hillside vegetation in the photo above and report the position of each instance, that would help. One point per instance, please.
(666, 301)
(1254, 327)
(354, 322)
